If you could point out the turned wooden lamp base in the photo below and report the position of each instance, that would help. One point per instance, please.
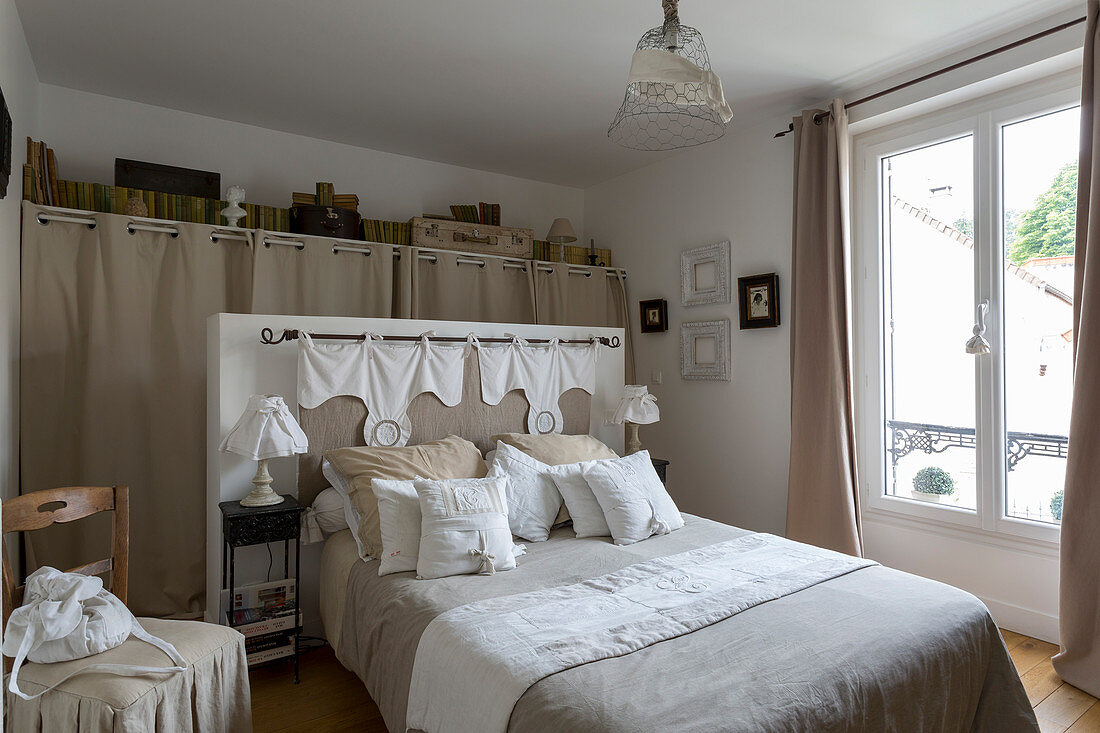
(633, 444)
(262, 494)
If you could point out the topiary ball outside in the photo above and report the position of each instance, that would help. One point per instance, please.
(1056, 504)
(933, 480)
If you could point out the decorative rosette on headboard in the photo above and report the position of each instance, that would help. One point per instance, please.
(386, 376)
(543, 371)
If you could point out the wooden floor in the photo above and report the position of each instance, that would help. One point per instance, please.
(330, 698)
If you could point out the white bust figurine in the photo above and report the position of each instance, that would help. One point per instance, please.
(234, 212)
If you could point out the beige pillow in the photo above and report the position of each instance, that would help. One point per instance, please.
(556, 449)
(451, 457)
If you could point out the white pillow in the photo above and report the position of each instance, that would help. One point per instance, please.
(533, 499)
(328, 510)
(634, 501)
(350, 514)
(584, 509)
(399, 521)
(464, 527)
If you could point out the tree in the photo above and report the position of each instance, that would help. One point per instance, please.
(1048, 228)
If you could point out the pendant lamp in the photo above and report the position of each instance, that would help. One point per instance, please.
(673, 98)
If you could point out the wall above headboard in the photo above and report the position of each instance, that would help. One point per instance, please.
(238, 365)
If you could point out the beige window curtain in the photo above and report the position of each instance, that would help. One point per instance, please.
(579, 296)
(451, 286)
(1079, 591)
(113, 384)
(321, 277)
(822, 493)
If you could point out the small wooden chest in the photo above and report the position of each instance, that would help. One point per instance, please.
(480, 238)
(325, 221)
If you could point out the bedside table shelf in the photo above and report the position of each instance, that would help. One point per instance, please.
(246, 526)
(660, 465)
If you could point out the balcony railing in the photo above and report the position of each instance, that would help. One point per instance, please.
(908, 437)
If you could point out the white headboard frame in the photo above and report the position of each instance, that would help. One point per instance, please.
(238, 365)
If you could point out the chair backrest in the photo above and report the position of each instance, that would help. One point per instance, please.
(40, 509)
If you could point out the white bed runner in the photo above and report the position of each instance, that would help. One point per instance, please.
(474, 662)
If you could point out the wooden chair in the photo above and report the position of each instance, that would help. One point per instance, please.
(40, 509)
(217, 675)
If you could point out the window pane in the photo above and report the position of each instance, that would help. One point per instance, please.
(928, 210)
(1040, 199)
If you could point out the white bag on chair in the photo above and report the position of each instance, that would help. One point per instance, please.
(68, 616)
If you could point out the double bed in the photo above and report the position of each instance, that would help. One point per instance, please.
(872, 650)
(863, 648)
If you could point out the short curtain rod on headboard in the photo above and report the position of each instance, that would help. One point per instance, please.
(267, 336)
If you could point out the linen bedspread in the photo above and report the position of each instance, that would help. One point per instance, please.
(873, 650)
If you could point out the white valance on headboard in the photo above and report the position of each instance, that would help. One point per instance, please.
(386, 376)
(543, 371)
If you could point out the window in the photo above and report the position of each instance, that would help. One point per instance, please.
(970, 207)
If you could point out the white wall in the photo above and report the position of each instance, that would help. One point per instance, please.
(728, 441)
(20, 85)
(89, 131)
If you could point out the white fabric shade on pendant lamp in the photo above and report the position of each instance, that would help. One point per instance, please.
(637, 407)
(265, 430)
(561, 233)
(673, 97)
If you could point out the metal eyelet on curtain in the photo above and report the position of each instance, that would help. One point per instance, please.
(45, 219)
(215, 236)
(133, 228)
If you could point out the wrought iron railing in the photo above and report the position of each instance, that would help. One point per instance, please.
(908, 437)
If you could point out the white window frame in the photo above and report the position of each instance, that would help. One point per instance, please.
(983, 118)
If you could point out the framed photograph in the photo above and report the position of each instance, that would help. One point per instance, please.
(5, 146)
(759, 297)
(705, 274)
(654, 316)
(705, 350)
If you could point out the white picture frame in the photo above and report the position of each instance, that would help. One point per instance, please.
(705, 350)
(705, 275)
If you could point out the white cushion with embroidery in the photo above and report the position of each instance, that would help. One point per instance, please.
(399, 520)
(634, 501)
(584, 509)
(533, 499)
(464, 527)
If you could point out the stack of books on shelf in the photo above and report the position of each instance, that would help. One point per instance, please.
(489, 213)
(40, 184)
(466, 213)
(387, 232)
(325, 196)
(547, 252)
(264, 613)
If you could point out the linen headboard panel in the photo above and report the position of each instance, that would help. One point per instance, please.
(338, 423)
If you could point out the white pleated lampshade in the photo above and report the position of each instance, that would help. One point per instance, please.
(637, 406)
(266, 429)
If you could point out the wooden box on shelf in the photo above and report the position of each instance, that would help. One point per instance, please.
(468, 237)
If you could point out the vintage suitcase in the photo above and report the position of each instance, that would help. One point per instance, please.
(325, 221)
(467, 237)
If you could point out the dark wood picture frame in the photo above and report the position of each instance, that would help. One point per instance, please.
(654, 315)
(758, 296)
(5, 146)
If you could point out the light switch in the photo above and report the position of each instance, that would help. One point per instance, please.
(655, 376)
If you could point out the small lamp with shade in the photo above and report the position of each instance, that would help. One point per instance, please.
(265, 430)
(561, 233)
(637, 407)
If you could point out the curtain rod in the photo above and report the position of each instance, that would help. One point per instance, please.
(267, 336)
(946, 70)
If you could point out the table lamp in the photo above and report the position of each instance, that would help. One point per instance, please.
(637, 407)
(266, 430)
(561, 233)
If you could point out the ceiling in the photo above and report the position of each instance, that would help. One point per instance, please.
(518, 87)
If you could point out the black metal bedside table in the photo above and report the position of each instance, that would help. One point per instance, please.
(243, 526)
(660, 465)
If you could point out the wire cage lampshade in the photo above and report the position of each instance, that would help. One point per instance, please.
(673, 98)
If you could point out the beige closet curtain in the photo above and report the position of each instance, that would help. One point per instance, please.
(454, 287)
(113, 378)
(321, 278)
(1079, 590)
(569, 295)
(822, 493)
